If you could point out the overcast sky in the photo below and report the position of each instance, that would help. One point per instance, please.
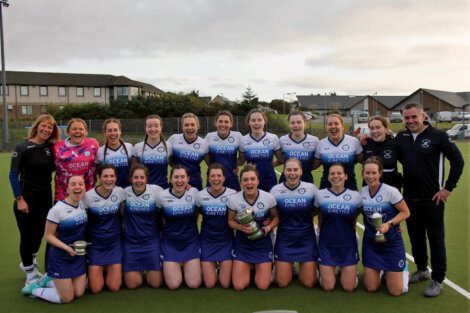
(356, 47)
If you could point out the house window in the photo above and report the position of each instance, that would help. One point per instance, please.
(97, 92)
(24, 90)
(80, 92)
(122, 91)
(1, 90)
(62, 91)
(43, 90)
(43, 108)
(27, 110)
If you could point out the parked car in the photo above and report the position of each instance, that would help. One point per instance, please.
(459, 131)
(310, 116)
(460, 116)
(443, 116)
(363, 117)
(396, 117)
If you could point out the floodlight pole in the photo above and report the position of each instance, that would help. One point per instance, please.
(4, 3)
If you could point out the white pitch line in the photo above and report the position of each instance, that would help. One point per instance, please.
(450, 283)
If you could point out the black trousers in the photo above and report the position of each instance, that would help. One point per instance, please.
(426, 222)
(31, 225)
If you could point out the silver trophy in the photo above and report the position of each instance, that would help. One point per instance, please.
(246, 217)
(376, 219)
(80, 246)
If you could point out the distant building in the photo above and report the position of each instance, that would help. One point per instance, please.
(29, 93)
(436, 101)
(221, 100)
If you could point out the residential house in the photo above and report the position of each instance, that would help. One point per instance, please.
(29, 93)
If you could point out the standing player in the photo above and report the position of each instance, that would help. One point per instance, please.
(75, 155)
(32, 164)
(216, 236)
(223, 148)
(382, 145)
(422, 150)
(115, 151)
(337, 244)
(299, 145)
(258, 252)
(180, 237)
(104, 231)
(295, 240)
(259, 148)
(154, 152)
(189, 149)
(141, 243)
(66, 223)
(338, 148)
(388, 256)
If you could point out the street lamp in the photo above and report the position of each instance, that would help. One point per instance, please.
(4, 3)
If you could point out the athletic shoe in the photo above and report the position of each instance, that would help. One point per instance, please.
(28, 290)
(44, 281)
(32, 274)
(433, 290)
(418, 276)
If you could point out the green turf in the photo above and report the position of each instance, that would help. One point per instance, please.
(294, 297)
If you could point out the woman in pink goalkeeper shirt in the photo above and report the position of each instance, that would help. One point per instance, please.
(75, 155)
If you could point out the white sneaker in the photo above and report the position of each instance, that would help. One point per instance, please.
(31, 272)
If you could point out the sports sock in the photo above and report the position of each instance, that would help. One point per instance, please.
(49, 294)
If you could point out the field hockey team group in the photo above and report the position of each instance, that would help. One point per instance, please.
(137, 223)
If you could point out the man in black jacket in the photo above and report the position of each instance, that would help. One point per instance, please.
(422, 150)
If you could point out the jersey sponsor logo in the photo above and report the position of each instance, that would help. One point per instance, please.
(345, 147)
(341, 208)
(294, 202)
(188, 198)
(78, 165)
(214, 210)
(425, 143)
(190, 155)
(387, 154)
(298, 154)
(301, 191)
(266, 142)
(197, 146)
(231, 139)
(108, 210)
(347, 197)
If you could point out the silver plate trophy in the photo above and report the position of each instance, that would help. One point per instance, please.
(80, 246)
(376, 219)
(246, 217)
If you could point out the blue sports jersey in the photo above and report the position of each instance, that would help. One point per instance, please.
(214, 225)
(295, 208)
(71, 226)
(71, 221)
(261, 152)
(338, 213)
(140, 214)
(303, 150)
(180, 216)
(259, 250)
(156, 160)
(121, 159)
(225, 152)
(382, 202)
(344, 152)
(104, 223)
(190, 155)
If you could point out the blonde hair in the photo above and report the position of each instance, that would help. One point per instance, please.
(55, 136)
